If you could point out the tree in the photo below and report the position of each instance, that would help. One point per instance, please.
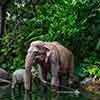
(3, 4)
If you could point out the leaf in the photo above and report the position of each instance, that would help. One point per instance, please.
(98, 45)
(98, 73)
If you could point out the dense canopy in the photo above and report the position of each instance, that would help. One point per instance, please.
(74, 23)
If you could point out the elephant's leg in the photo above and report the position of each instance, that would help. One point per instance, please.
(43, 78)
(13, 82)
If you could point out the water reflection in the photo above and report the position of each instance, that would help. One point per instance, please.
(13, 95)
(7, 94)
(37, 94)
(4, 91)
(27, 96)
(21, 95)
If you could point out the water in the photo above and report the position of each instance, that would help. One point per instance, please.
(7, 94)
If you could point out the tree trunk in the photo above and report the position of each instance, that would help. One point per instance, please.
(1, 23)
(1, 20)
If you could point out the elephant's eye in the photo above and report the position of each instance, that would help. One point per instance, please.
(36, 53)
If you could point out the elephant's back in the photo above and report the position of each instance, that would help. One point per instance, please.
(65, 55)
(19, 74)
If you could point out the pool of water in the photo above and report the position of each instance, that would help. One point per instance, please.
(7, 94)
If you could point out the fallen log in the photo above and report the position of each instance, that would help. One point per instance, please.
(5, 81)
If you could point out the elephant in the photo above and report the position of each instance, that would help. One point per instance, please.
(18, 77)
(51, 57)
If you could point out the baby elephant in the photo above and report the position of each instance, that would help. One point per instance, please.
(18, 77)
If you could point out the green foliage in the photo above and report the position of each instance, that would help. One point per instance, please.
(84, 70)
(92, 70)
(74, 23)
